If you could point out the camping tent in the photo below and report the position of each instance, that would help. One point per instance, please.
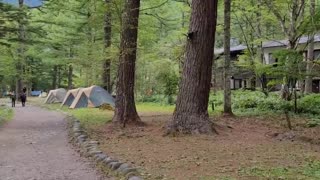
(71, 95)
(35, 93)
(93, 96)
(43, 95)
(56, 95)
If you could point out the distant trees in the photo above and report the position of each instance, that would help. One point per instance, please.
(191, 113)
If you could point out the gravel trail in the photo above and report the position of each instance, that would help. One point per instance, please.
(34, 146)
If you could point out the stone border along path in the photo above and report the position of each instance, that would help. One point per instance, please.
(90, 149)
(34, 146)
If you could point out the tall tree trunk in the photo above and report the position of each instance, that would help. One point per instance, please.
(214, 77)
(19, 65)
(70, 73)
(310, 58)
(54, 77)
(227, 90)
(125, 108)
(59, 76)
(106, 77)
(191, 113)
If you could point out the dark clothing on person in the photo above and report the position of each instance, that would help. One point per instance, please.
(23, 98)
(13, 100)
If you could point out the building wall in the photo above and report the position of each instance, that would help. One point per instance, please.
(268, 52)
(240, 81)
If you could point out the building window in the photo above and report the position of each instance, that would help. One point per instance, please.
(316, 55)
(273, 60)
(237, 83)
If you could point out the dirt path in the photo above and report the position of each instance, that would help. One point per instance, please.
(34, 146)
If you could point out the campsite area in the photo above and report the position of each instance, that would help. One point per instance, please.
(249, 146)
(159, 89)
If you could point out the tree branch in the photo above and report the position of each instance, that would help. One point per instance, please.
(155, 7)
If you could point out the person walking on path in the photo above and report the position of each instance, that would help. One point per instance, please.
(13, 99)
(23, 98)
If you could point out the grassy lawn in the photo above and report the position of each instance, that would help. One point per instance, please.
(310, 170)
(6, 114)
(155, 108)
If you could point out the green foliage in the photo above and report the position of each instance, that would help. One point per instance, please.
(309, 104)
(288, 61)
(247, 100)
(170, 83)
(255, 103)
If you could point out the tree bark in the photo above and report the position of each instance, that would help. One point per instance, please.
(59, 76)
(191, 113)
(70, 73)
(227, 110)
(106, 77)
(54, 77)
(125, 108)
(19, 66)
(310, 58)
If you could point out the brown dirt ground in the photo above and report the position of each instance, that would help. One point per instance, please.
(241, 143)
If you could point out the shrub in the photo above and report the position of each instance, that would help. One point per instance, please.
(244, 99)
(160, 99)
(309, 104)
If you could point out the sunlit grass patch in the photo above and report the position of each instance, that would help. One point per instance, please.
(91, 118)
(311, 170)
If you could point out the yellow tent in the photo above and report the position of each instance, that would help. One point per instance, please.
(93, 96)
(71, 95)
(56, 95)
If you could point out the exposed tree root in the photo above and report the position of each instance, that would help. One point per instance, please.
(190, 124)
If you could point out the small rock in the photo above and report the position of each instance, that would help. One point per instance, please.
(114, 165)
(95, 152)
(81, 140)
(135, 178)
(100, 157)
(93, 142)
(123, 167)
(109, 160)
(129, 170)
(90, 147)
(83, 136)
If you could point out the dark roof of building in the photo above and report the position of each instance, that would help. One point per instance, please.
(269, 44)
(232, 49)
(302, 40)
